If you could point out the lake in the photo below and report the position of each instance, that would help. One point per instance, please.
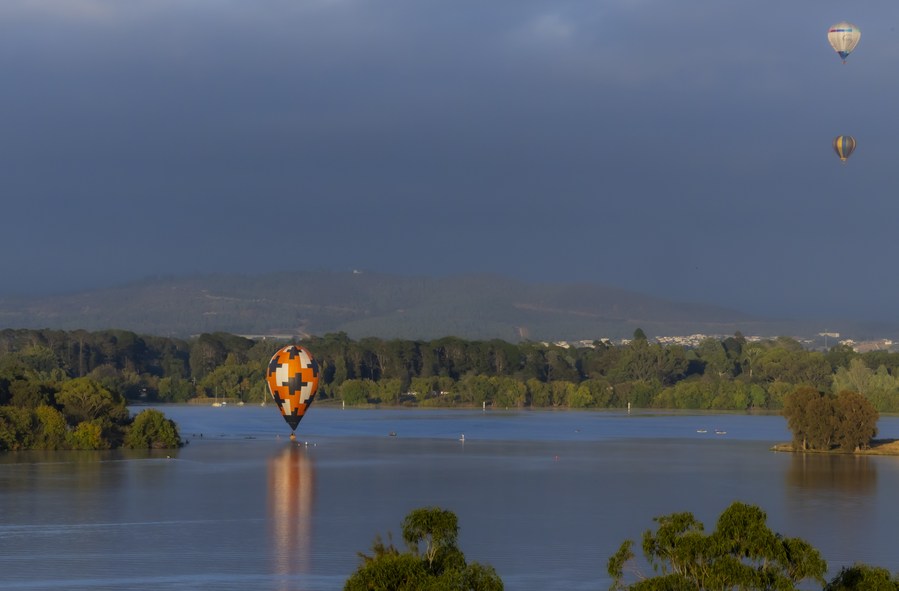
(545, 497)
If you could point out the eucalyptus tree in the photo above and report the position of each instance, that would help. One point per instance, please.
(861, 577)
(432, 561)
(856, 421)
(742, 553)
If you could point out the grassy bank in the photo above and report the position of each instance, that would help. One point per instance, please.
(879, 447)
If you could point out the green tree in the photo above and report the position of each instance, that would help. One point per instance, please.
(389, 390)
(52, 430)
(175, 389)
(880, 387)
(741, 554)
(422, 386)
(856, 421)
(211, 350)
(509, 392)
(861, 577)
(433, 561)
(430, 531)
(475, 389)
(87, 435)
(599, 391)
(856, 377)
(561, 365)
(539, 393)
(561, 392)
(235, 380)
(581, 397)
(797, 411)
(358, 391)
(83, 399)
(152, 430)
(17, 428)
(39, 361)
(713, 354)
(818, 421)
(29, 393)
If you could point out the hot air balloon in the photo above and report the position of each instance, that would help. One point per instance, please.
(292, 379)
(844, 145)
(843, 38)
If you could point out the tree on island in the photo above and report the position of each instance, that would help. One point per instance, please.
(433, 561)
(821, 421)
(152, 430)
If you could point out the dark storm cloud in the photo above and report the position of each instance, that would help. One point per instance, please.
(678, 149)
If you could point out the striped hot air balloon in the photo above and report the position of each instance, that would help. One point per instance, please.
(844, 146)
(843, 38)
(292, 379)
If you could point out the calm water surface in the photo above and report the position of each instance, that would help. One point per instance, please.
(544, 497)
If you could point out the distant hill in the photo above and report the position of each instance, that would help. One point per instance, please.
(384, 306)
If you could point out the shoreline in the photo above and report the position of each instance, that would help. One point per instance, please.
(879, 447)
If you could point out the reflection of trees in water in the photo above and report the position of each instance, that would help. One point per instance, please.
(841, 472)
(291, 480)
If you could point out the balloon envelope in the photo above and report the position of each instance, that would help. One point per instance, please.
(844, 145)
(843, 38)
(292, 379)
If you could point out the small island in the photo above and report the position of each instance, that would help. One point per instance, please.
(845, 423)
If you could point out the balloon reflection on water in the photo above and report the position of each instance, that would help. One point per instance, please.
(291, 488)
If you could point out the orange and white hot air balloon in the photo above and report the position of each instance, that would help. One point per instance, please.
(292, 379)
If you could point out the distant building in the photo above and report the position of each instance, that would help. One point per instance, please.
(867, 346)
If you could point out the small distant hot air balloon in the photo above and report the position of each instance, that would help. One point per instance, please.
(844, 145)
(843, 38)
(292, 379)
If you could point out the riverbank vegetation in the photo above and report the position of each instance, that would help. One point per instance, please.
(45, 404)
(83, 415)
(726, 374)
(90, 377)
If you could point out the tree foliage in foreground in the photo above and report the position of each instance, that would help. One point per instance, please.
(741, 554)
(432, 562)
(861, 577)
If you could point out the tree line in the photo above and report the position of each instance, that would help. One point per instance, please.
(718, 374)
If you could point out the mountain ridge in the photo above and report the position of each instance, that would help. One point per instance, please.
(364, 304)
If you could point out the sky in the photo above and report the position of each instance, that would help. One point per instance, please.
(678, 149)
